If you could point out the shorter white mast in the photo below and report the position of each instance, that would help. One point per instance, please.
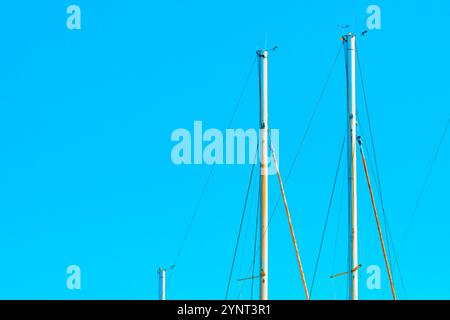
(162, 283)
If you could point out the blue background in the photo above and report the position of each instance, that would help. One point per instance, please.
(86, 118)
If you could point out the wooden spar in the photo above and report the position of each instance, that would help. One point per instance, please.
(346, 272)
(291, 228)
(391, 281)
(248, 278)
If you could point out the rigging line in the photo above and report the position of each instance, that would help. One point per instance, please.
(246, 233)
(305, 133)
(251, 268)
(363, 87)
(316, 108)
(256, 236)
(197, 206)
(372, 168)
(241, 95)
(385, 222)
(389, 238)
(372, 141)
(328, 214)
(291, 227)
(240, 226)
(377, 172)
(340, 214)
(425, 183)
(380, 234)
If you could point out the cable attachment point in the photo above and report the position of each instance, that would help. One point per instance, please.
(359, 140)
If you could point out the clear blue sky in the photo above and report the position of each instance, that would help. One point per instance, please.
(86, 118)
